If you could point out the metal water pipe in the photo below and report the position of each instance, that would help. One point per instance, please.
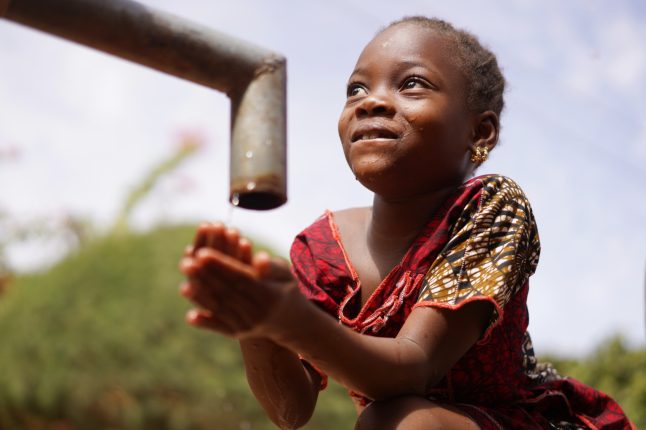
(254, 78)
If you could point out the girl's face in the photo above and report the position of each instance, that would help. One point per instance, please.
(406, 129)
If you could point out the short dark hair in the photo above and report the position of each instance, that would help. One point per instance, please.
(477, 63)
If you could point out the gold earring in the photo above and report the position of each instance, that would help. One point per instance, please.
(479, 154)
(474, 156)
(485, 154)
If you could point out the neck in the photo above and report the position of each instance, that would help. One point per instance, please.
(394, 224)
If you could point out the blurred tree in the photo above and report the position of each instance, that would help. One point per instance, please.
(70, 230)
(614, 369)
(98, 341)
(189, 144)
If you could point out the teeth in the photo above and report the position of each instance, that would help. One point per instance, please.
(370, 136)
(373, 135)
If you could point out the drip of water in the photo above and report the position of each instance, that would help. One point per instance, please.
(235, 201)
(229, 219)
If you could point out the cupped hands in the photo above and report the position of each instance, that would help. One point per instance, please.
(237, 292)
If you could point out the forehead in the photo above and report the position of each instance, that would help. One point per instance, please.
(411, 43)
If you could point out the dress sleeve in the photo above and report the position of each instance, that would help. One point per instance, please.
(311, 274)
(493, 249)
(313, 265)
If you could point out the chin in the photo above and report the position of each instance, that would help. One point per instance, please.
(369, 174)
(373, 167)
(381, 183)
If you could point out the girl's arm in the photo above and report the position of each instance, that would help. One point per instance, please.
(429, 343)
(427, 346)
(286, 389)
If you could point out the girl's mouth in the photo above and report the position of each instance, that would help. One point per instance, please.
(373, 133)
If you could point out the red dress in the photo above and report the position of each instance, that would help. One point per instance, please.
(482, 244)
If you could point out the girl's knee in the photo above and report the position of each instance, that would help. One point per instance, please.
(411, 413)
(389, 414)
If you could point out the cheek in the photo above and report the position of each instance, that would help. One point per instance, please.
(442, 142)
(443, 131)
(344, 123)
(342, 128)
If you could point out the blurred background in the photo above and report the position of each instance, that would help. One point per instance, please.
(106, 167)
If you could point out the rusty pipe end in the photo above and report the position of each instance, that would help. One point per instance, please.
(259, 201)
(4, 7)
(259, 139)
(259, 193)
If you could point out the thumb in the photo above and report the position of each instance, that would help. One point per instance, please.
(272, 268)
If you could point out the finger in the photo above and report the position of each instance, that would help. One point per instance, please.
(224, 267)
(192, 266)
(215, 321)
(200, 294)
(231, 242)
(207, 292)
(215, 237)
(273, 268)
(185, 289)
(280, 270)
(237, 319)
(201, 236)
(237, 298)
(188, 266)
(207, 320)
(245, 250)
(211, 271)
(260, 262)
(188, 251)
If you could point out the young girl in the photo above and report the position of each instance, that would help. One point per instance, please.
(417, 304)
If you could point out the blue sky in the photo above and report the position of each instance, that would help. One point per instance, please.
(574, 136)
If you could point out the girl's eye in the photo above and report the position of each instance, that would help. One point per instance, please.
(415, 82)
(355, 90)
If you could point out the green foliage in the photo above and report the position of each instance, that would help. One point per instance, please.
(99, 342)
(617, 371)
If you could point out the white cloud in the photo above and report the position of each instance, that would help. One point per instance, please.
(623, 42)
(640, 143)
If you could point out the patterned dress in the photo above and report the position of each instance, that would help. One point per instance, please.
(482, 244)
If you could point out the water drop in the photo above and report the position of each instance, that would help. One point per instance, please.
(248, 154)
(229, 220)
(235, 199)
(251, 186)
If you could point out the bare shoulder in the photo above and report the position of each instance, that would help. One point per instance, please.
(352, 223)
(351, 217)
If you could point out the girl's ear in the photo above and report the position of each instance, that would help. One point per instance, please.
(486, 130)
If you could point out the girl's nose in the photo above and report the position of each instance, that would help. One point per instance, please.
(375, 104)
